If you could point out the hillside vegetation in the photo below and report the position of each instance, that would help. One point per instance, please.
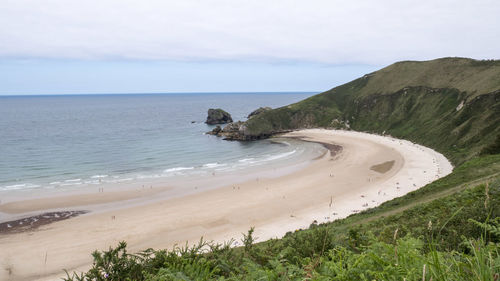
(447, 230)
(450, 104)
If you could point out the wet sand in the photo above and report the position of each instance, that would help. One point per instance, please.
(33, 222)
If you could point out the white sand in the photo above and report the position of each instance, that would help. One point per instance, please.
(272, 205)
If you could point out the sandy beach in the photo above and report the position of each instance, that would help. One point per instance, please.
(367, 171)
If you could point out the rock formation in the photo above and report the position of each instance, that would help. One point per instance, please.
(215, 131)
(232, 131)
(218, 116)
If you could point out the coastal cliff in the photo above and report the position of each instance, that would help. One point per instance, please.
(451, 104)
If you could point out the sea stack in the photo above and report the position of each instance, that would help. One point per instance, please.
(218, 116)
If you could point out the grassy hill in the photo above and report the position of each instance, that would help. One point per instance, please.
(450, 104)
(447, 230)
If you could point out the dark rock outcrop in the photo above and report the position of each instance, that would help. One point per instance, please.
(259, 111)
(232, 131)
(218, 116)
(215, 131)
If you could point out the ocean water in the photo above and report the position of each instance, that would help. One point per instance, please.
(78, 141)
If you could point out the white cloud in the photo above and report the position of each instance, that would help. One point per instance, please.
(319, 31)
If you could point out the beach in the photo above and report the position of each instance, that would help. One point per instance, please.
(358, 171)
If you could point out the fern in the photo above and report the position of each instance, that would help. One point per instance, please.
(492, 228)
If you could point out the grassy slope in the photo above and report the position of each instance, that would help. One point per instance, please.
(465, 75)
(411, 100)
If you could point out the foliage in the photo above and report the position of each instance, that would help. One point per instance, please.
(405, 259)
(493, 148)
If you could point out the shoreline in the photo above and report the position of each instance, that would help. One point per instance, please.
(117, 196)
(326, 189)
(111, 179)
(32, 222)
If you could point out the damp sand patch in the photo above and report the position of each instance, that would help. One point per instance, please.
(334, 148)
(383, 167)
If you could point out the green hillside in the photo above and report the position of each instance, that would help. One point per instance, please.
(450, 104)
(447, 230)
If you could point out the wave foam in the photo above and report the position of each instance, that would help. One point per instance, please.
(71, 183)
(176, 169)
(213, 165)
(279, 156)
(19, 186)
(247, 160)
(73, 180)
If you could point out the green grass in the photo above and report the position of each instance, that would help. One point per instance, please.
(418, 101)
(466, 75)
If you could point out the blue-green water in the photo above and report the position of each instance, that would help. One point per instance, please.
(84, 140)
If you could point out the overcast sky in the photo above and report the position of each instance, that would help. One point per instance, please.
(96, 46)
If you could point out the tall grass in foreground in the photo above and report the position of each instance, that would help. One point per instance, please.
(405, 259)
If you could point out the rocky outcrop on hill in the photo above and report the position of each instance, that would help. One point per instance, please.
(218, 116)
(259, 111)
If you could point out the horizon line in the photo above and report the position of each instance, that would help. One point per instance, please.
(157, 93)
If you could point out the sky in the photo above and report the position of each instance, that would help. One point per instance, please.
(161, 46)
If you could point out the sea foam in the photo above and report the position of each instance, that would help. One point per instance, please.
(176, 169)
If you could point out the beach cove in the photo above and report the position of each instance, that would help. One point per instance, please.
(358, 171)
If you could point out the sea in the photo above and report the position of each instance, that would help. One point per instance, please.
(62, 142)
